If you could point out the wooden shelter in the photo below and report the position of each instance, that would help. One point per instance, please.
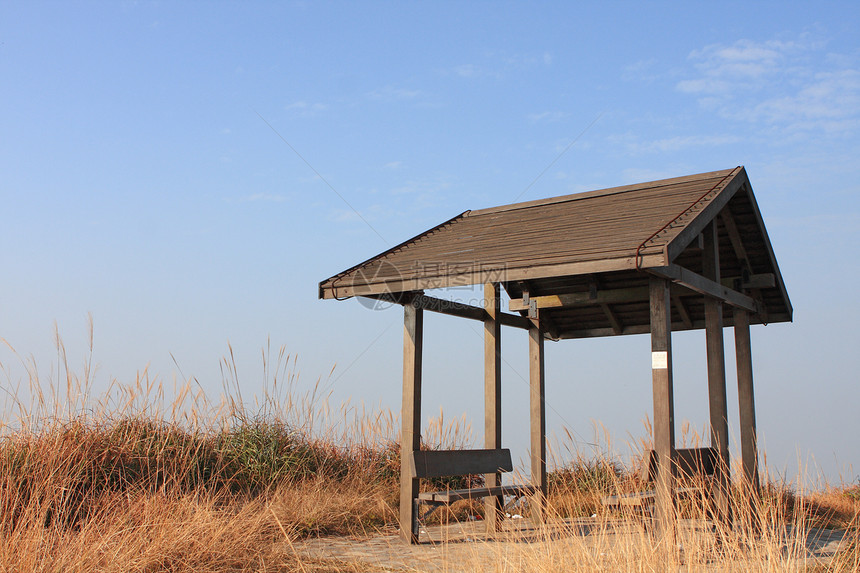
(677, 254)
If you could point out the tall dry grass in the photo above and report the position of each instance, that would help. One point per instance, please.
(148, 478)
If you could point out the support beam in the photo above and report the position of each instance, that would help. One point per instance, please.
(493, 397)
(614, 296)
(705, 286)
(530, 305)
(451, 308)
(735, 238)
(773, 264)
(640, 294)
(717, 403)
(664, 405)
(759, 281)
(617, 328)
(410, 413)
(350, 284)
(746, 399)
(682, 311)
(537, 399)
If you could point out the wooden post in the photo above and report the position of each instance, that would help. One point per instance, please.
(410, 414)
(537, 399)
(746, 399)
(493, 397)
(664, 405)
(717, 403)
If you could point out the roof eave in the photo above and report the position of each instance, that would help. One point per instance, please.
(329, 290)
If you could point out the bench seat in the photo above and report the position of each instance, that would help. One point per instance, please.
(692, 465)
(452, 495)
(441, 463)
(641, 498)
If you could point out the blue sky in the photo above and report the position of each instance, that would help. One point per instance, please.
(148, 179)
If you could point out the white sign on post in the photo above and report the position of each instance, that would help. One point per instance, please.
(659, 360)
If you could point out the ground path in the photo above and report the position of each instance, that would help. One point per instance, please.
(521, 545)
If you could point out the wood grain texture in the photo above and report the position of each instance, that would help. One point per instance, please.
(746, 399)
(664, 404)
(717, 403)
(493, 505)
(441, 463)
(555, 243)
(413, 337)
(537, 424)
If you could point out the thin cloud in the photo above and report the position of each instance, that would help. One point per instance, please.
(264, 197)
(635, 145)
(634, 175)
(391, 93)
(499, 65)
(547, 116)
(833, 224)
(792, 86)
(375, 212)
(422, 188)
(830, 99)
(303, 108)
(642, 70)
(473, 71)
(466, 70)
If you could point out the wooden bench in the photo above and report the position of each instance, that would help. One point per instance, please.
(693, 468)
(444, 463)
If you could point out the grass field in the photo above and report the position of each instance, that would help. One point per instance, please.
(142, 479)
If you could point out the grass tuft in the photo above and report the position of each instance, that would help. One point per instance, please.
(129, 483)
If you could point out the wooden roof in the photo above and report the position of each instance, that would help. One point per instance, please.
(586, 246)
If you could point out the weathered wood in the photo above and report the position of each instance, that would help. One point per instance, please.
(769, 250)
(632, 294)
(682, 311)
(620, 261)
(632, 329)
(694, 466)
(410, 440)
(441, 463)
(493, 506)
(690, 464)
(732, 183)
(583, 298)
(452, 495)
(537, 425)
(761, 280)
(594, 233)
(434, 463)
(717, 403)
(547, 324)
(603, 192)
(613, 320)
(746, 399)
(664, 404)
(705, 286)
(735, 239)
(449, 307)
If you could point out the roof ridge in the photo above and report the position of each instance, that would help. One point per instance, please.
(601, 192)
(717, 187)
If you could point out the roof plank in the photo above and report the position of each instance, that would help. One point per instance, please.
(612, 237)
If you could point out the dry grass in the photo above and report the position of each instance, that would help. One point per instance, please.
(140, 479)
(136, 481)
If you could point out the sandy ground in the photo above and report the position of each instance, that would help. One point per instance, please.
(463, 546)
